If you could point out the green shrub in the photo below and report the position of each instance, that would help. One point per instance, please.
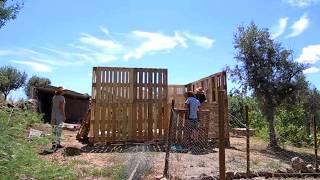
(18, 156)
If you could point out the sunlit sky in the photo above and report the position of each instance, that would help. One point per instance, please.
(63, 40)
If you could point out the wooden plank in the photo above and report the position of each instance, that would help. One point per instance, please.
(125, 106)
(160, 103)
(166, 108)
(98, 104)
(150, 117)
(134, 104)
(114, 105)
(140, 106)
(103, 105)
(93, 102)
(145, 106)
(131, 107)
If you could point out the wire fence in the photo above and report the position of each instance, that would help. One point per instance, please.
(190, 148)
(251, 157)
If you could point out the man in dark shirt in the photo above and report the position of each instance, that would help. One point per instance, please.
(200, 95)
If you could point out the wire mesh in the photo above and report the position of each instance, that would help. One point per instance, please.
(191, 155)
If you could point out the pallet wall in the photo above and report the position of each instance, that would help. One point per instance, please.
(211, 85)
(130, 105)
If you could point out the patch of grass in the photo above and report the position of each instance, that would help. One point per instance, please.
(18, 156)
(115, 172)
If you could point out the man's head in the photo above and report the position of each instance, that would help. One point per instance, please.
(199, 89)
(189, 94)
(59, 91)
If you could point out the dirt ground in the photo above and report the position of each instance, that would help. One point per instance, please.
(100, 163)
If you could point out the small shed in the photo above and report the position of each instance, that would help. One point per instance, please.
(77, 104)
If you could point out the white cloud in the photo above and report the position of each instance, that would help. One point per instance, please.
(35, 66)
(299, 26)
(6, 52)
(154, 42)
(105, 30)
(301, 3)
(95, 50)
(90, 40)
(311, 70)
(310, 54)
(279, 29)
(201, 41)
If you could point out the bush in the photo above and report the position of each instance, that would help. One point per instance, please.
(18, 157)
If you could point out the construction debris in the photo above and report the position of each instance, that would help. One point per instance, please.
(83, 133)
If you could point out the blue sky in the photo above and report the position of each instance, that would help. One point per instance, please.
(63, 40)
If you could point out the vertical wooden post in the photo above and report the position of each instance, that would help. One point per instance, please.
(315, 143)
(222, 163)
(166, 164)
(248, 140)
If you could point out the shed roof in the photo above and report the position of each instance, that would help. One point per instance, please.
(66, 92)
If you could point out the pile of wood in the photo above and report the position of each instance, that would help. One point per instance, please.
(83, 132)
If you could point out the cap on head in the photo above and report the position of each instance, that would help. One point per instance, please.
(59, 90)
(199, 89)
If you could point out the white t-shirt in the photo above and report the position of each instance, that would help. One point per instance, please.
(56, 113)
(193, 107)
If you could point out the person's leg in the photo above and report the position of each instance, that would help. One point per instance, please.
(58, 135)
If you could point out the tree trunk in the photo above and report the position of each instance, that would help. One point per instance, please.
(273, 144)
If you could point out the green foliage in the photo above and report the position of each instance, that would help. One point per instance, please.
(290, 125)
(36, 81)
(266, 69)
(11, 79)
(8, 11)
(236, 109)
(18, 157)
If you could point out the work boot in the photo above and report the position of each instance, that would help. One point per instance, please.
(60, 146)
(53, 148)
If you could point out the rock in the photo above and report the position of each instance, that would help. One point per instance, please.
(298, 164)
(34, 133)
(32, 105)
(310, 168)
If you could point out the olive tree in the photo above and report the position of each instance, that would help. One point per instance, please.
(8, 11)
(11, 79)
(265, 68)
(36, 81)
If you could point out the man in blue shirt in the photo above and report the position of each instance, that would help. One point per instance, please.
(192, 104)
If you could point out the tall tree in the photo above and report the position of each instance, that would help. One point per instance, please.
(11, 79)
(8, 11)
(36, 81)
(265, 69)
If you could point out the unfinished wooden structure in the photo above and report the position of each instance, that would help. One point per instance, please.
(132, 105)
(211, 86)
(129, 105)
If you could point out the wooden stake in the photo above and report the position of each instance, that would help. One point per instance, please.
(315, 143)
(166, 165)
(222, 163)
(248, 140)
